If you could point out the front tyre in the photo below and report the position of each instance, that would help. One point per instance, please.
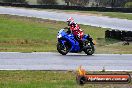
(62, 49)
(89, 50)
(81, 80)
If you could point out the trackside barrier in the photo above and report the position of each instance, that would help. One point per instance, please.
(65, 7)
(119, 35)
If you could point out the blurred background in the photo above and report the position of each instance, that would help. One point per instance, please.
(85, 3)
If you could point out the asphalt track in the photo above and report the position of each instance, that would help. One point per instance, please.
(99, 21)
(55, 61)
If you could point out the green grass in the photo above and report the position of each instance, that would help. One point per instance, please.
(24, 34)
(32, 1)
(31, 34)
(46, 79)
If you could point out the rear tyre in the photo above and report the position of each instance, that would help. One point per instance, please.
(62, 49)
(90, 49)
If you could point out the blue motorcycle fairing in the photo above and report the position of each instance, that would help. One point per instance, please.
(74, 43)
(65, 37)
(70, 39)
(85, 37)
(62, 42)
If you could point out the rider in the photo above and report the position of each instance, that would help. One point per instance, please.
(75, 29)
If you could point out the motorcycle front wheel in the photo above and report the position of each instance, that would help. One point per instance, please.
(62, 49)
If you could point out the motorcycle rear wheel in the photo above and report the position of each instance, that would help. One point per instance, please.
(90, 49)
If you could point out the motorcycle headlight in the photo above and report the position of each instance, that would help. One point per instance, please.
(59, 36)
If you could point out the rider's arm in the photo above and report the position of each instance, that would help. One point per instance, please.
(68, 30)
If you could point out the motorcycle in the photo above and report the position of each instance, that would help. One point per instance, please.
(68, 43)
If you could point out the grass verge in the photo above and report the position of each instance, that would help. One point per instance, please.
(26, 34)
(47, 79)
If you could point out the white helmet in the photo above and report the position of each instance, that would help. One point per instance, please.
(70, 21)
